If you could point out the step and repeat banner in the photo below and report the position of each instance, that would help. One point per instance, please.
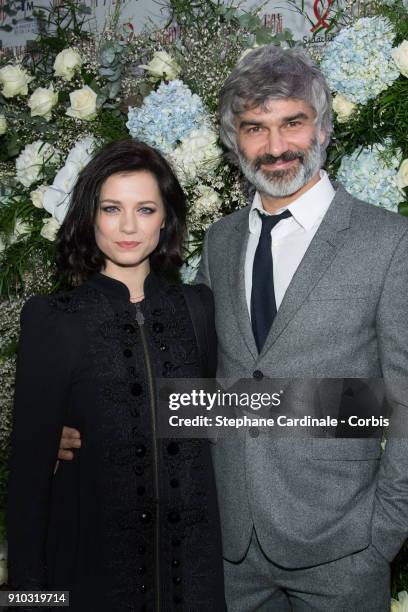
(20, 28)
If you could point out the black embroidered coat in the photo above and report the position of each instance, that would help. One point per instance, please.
(132, 522)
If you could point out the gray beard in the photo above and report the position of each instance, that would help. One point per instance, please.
(280, 183)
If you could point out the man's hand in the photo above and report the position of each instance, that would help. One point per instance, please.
(71, 438)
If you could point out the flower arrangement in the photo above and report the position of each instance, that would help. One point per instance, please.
(358, 63)
(372, 175)
(366, 66)
(74, 91)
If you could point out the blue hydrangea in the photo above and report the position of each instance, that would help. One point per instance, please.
(166, 116)
(358, 62)
(371, 175)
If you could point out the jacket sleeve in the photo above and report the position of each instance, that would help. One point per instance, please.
(41, 396)
(203, 273)
(390, 520)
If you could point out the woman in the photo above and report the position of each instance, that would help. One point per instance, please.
(132, 522)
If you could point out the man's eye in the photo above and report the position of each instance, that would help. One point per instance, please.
(293, 123)
(254, 129)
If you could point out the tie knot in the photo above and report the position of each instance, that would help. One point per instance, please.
(269, 221)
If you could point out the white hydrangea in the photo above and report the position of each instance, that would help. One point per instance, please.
(189, 269)
(198, 153)
(358, 62)
(372, 175)
(205, 208)
(32, 160)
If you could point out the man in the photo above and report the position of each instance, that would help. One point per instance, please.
(307, 524)
(318, 291)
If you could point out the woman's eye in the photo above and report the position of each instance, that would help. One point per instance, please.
(109, 209)
(146, 210)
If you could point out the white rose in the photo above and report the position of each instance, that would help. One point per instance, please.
(400, 604)
(37, 196)
(400, 57)
(14, 80)
(50, 229)
(3, 125)
(83, 104)
(30, 162)
(3, 571)
(66, 63)
(42, 101)
(343, 108)
(402, 176)
(162, 66)
(58, 195)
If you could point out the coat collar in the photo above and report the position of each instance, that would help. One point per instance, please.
(116, 290)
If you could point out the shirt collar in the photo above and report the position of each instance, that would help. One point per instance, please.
(307, 210)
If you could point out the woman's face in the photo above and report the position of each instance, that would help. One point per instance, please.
(128, 220)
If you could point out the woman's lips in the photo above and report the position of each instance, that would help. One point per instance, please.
(127, 245)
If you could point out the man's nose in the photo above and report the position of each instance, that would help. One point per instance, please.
(276, 143)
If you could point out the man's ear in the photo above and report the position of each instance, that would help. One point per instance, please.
(322, 136)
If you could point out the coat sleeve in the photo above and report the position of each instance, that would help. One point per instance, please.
(41, 396)
(390, 520)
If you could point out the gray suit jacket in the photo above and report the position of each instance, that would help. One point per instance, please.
(343, 315)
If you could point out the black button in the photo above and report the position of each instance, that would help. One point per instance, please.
(177, 599)
(173, 517)
(141, 490)
(176, 542)
(140, 450)
(143, 588)
(158, 328)
(157, 312)
(258, 375)
(174, 483)
(129, 329)
(127, 353)
(177, 580)
(175, 563)
(141, 550)
(253, 432)
(141, 570)
(173, 448)
(163, 347)
(136, 389)
(146, 518)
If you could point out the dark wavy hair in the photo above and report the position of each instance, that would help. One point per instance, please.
(78, 255)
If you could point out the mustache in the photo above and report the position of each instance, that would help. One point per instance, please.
(271, 159)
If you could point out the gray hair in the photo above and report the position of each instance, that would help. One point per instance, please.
(268, 73)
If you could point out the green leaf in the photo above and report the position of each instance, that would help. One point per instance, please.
(403, 209)
(13, 147)
(263, 36)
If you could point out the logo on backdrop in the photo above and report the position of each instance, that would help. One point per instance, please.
(321, 16)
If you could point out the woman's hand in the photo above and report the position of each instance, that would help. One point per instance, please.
(70, 438)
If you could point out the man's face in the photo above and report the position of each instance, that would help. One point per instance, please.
(279, 147)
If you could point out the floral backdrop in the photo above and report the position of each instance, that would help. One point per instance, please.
(74, 90)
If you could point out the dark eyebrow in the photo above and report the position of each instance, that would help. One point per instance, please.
(119, 202)
(300, 115)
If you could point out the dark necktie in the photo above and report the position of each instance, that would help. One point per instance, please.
(263, 304)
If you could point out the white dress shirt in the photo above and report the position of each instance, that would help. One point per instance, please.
(290, 237)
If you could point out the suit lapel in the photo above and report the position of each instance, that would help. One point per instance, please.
(236, 253)
(314, 264)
